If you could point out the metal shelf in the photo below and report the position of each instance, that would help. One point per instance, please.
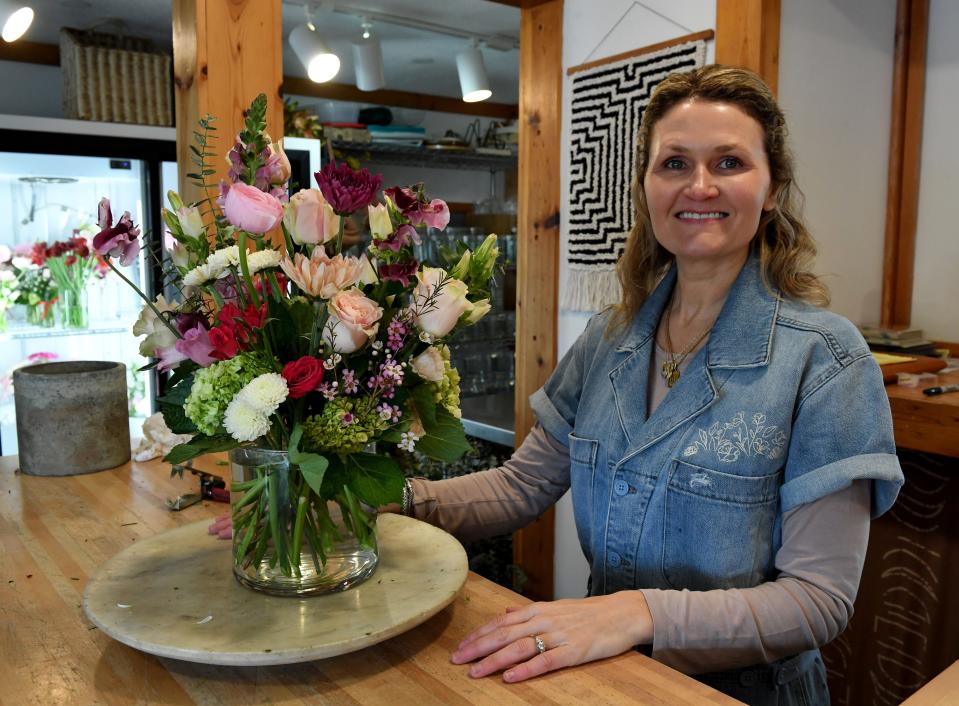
(404, 155)
(16, 333)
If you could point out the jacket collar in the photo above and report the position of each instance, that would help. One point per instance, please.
(742, 335)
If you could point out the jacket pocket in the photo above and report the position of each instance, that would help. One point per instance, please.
(582, 461)
(718, 528)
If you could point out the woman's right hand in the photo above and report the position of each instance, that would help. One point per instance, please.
(222, 527)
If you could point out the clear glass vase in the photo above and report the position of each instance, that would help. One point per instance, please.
(41, 314)
(287, 541)
(72, 308)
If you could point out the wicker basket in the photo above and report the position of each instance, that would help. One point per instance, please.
(114, 79)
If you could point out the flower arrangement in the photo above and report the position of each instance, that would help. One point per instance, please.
(38, 291)
(70, 263)
(287, 342)
(9, 285)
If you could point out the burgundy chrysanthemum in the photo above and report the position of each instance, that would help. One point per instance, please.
(346, 189)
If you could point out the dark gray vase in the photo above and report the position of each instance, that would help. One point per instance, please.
(71, 417)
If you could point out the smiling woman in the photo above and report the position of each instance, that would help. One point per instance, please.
(723, 513)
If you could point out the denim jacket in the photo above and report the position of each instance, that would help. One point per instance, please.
(782, 406)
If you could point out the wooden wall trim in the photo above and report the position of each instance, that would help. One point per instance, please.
(49, 54)
(537, 282)
(905, 145)
(747, 35)
(402, 99)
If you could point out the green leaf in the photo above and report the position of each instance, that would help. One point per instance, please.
(423, 400)
(335, 478)
(199, 445)
(171, 405)
(445, 439)
(312, 466)
(376, 480)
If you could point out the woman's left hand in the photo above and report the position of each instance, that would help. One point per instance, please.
(574, 631)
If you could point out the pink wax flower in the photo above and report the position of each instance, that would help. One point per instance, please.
(346, 189)
(249, 209)
(118, 240)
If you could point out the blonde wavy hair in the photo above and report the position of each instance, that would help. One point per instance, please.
(785, 246)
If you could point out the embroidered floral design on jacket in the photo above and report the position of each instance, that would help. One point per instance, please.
(735, 438)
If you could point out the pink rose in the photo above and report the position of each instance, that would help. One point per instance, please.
(310, 219)
(354, 319)
(436, 313)
(250, 209)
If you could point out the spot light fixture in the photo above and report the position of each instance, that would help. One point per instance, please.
(474, 83)
(368, 60)
(316, 56)
(16, 19)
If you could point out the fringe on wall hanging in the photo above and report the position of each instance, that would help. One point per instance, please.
(608, 100)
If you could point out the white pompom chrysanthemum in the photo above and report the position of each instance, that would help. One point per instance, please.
(243, 422)
(264, 393)
(223, 258)
(262, 259)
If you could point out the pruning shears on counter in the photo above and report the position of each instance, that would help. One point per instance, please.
(212, 487)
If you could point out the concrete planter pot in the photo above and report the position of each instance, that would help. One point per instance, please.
(71, 417)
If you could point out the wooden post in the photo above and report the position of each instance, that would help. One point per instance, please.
(225, 52)
(538, 199)
(905, 146)
(747, 35)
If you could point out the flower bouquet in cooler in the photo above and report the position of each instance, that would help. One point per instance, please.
(38, 290)
(71, 264)
(283, 344)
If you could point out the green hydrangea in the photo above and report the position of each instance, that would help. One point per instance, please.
(448, 389)
(345, 426)
(215, 387)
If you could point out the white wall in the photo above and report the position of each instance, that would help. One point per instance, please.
(835, 85)
(30, 89)
(593, 30)
(936, 286)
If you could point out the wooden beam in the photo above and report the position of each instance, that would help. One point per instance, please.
(905, 145)
(225, 52)
(401, 99)
(538, 198)
(747, 35)
(30, 53)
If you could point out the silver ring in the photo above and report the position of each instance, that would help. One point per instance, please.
(540, 644)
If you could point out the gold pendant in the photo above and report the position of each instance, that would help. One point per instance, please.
(670, 372)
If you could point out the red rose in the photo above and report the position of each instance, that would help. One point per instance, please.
(303, 375)
(224, 343)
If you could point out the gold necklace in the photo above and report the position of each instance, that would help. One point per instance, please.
(670, 368)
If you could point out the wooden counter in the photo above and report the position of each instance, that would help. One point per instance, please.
(924, 423)
(56, 532)
(941, 691)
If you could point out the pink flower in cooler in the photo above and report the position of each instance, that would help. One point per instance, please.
(346, 189)
(310, 219)
(354, 319)
(250, 209)
(117, 240)
(438, 301)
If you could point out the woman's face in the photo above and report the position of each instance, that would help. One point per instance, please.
(707, 183)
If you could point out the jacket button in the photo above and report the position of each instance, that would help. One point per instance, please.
(613, 558)
(620, 487)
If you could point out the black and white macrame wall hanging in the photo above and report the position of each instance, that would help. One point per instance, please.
(608, 101)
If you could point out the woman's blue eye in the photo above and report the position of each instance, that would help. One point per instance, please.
(674, 163)
(729, 163)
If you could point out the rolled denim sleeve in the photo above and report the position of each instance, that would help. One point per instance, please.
(842, 432)
(556, 402)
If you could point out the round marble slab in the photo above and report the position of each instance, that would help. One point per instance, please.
(174, 595)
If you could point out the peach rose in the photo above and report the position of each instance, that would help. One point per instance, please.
(429, 365)
(310, 219)
(354, 319)
(437, 314)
